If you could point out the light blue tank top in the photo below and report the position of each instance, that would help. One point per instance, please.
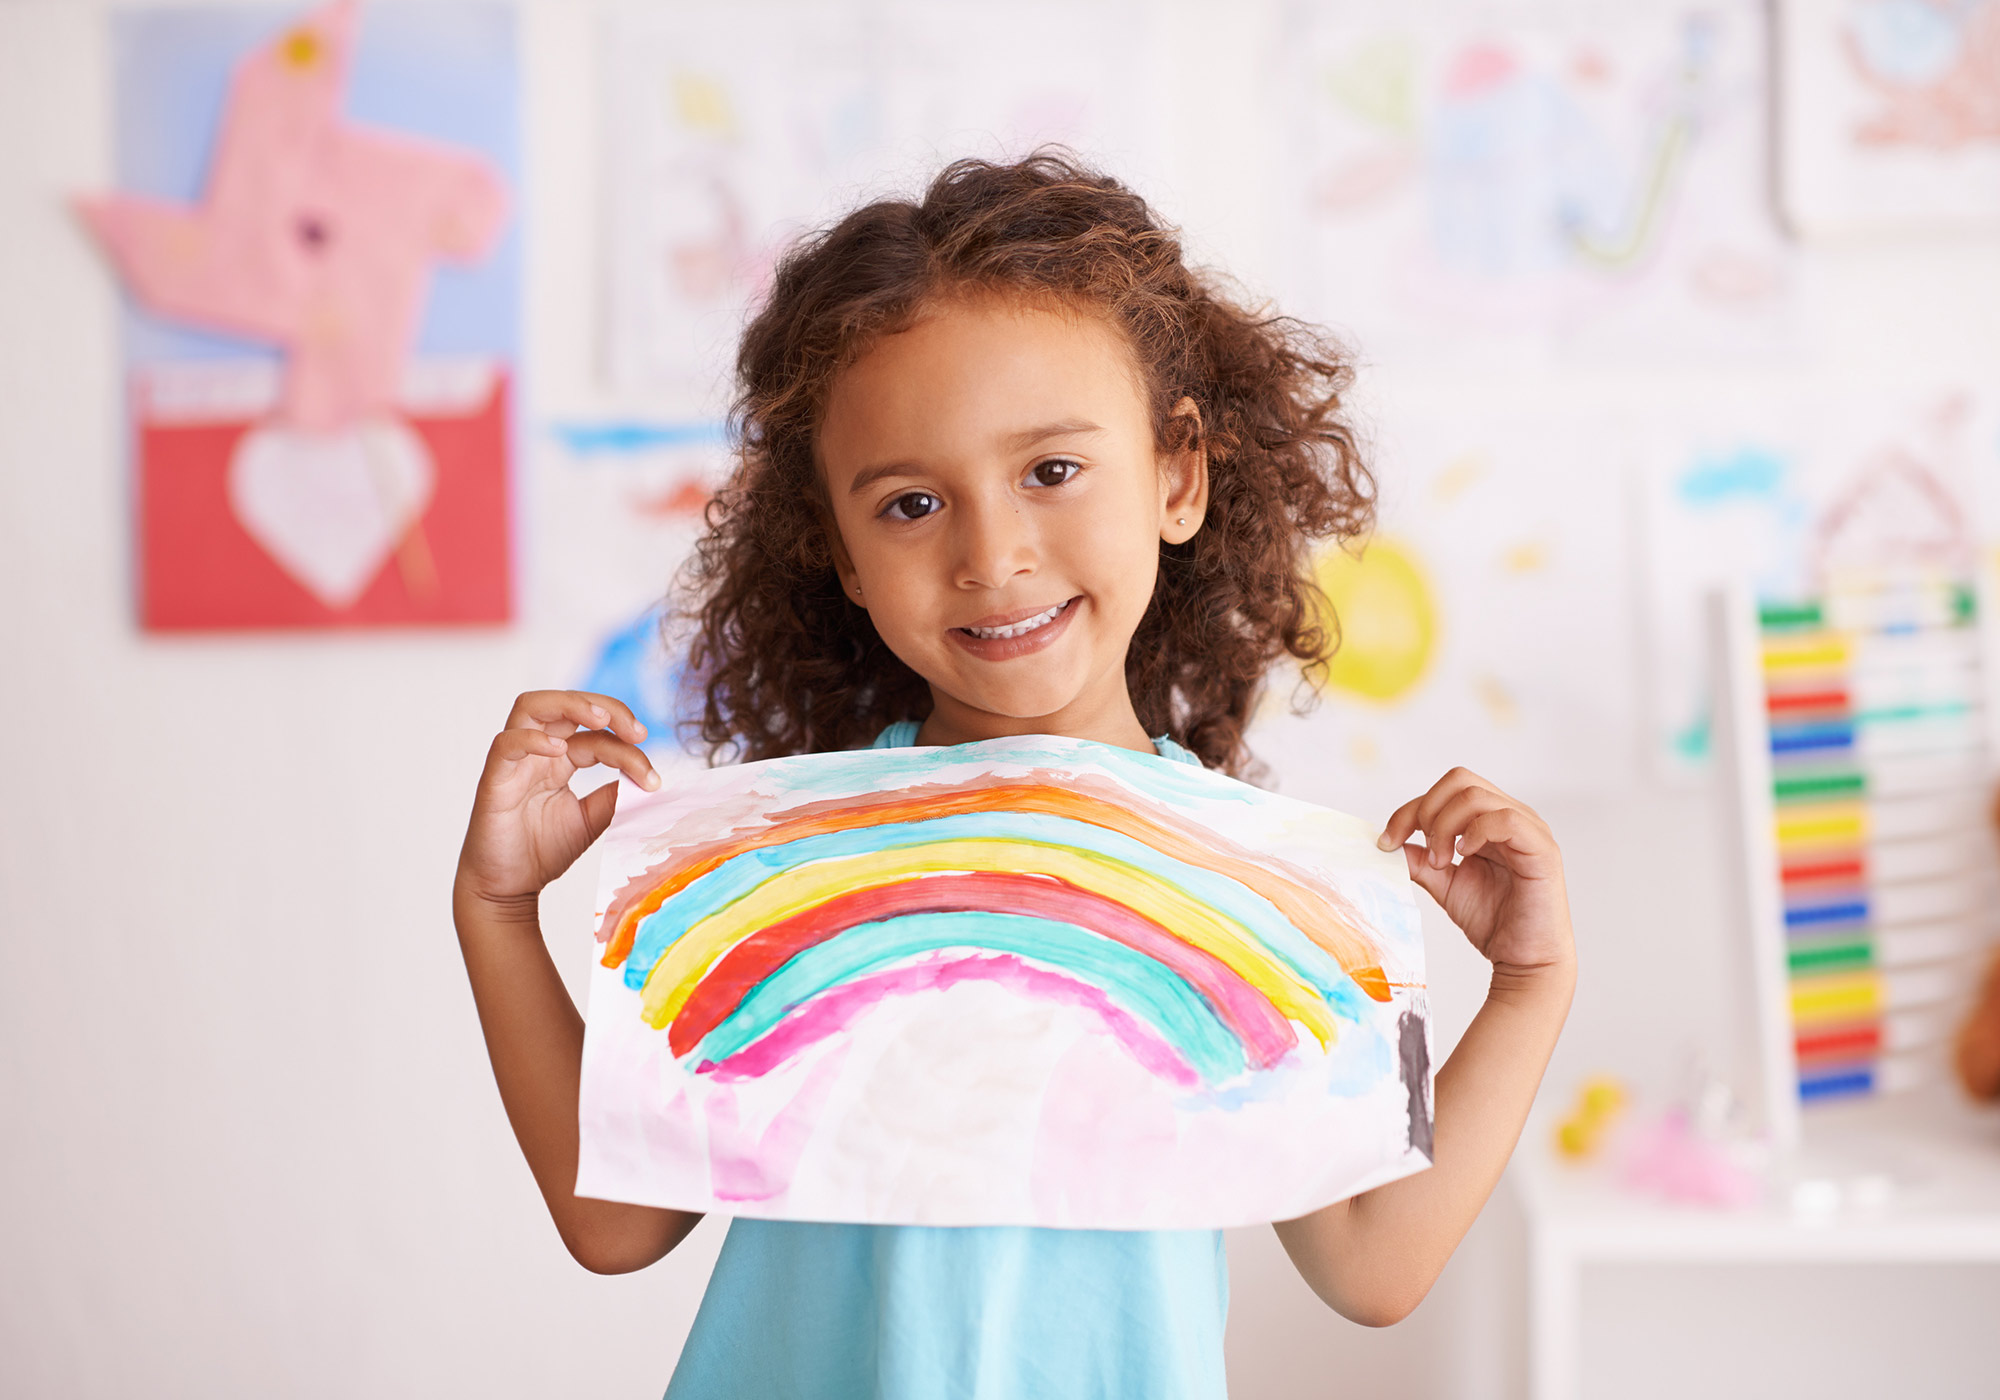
(905, 1312)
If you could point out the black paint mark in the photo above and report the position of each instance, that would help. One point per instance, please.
(1415, 1052)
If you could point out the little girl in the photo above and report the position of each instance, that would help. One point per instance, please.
(1008, 466)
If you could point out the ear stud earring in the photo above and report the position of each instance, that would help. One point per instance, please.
(1181, 521)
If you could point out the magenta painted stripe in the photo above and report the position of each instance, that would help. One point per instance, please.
(839, 1008)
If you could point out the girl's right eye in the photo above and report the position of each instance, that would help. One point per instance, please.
(913, 505)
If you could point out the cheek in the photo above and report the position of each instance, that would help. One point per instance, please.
(1119, 565)
(865, 556)
(1136, 579)
(905, 589)
(1124, 540)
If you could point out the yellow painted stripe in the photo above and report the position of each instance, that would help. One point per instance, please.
(688, 959)
(1836, 998)
(1824, 824)
(1818, 653)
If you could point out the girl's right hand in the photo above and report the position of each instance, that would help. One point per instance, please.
(527, 826)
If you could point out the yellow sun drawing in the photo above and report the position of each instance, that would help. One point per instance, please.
(1388, 621)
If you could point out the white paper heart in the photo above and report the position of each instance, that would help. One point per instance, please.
(330, 507)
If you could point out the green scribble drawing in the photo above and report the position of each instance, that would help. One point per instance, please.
(1376, 83)
(1695, 741)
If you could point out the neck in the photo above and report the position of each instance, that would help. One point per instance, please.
(1109, 719)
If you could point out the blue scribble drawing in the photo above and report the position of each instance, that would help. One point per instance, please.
(626, 438)
(1612, 242)
(1909, 42)
(634, 665)
(1749, 473)
(1524, 178)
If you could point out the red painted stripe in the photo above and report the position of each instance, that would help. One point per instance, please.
(1266, 1034)
(1852, 1040)
(1822, 871)
(1808, 700)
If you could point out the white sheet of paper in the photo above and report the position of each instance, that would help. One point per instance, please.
(1031, 981)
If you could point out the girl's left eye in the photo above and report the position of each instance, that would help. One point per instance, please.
(1054, 472)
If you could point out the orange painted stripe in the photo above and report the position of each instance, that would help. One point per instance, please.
(1311, 911)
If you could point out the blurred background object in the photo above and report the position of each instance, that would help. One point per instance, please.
(1653, 302)
(308, 402)
(1599, 1103)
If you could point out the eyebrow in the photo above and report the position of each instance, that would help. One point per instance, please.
(868, 476)
(1067, 427)
(1013, 442)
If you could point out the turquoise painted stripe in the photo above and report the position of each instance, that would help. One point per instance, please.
(739, 875)
(1162, 779)
(1890, 714)
(1147, 989)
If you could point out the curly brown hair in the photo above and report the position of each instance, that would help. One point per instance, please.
(785, 664)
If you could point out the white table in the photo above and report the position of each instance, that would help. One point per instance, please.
(1942, 1206)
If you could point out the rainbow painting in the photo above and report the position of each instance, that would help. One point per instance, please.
(1031, 981)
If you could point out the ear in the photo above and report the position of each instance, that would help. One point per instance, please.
(1184, 482)
(843, 565)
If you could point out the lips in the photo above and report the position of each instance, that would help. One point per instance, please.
(1010, 636)
(1006, 627)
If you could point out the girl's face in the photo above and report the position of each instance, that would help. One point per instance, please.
(1000, 506)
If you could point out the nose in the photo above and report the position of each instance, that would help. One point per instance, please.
(995, 544)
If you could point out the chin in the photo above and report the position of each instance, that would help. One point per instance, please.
(1018, 703)
(1021, 709)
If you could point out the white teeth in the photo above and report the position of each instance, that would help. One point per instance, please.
(1015, 629)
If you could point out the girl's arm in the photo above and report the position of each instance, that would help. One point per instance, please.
(1373, 1257)
(527, 828)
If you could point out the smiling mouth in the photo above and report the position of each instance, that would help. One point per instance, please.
(1021, 628)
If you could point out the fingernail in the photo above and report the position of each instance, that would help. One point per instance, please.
(652, 781)
(1385, 842)
(639, 729)
(599, 713)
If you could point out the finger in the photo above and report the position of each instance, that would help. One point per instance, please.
(1443, 791)
(563, 711)
(534, 708)
(1419, 811)
(1401, 823)
(1504, 833)
(1449, 822)
(513, 745)
(622, 721)
(1507, 797)
(598, 809)
(594, 746)
(1427, 877)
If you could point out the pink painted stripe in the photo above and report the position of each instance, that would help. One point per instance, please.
(840, 1008)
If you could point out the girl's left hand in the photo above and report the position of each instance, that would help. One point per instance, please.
(1506, 888)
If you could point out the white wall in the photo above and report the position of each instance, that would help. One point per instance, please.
(248, 1141)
